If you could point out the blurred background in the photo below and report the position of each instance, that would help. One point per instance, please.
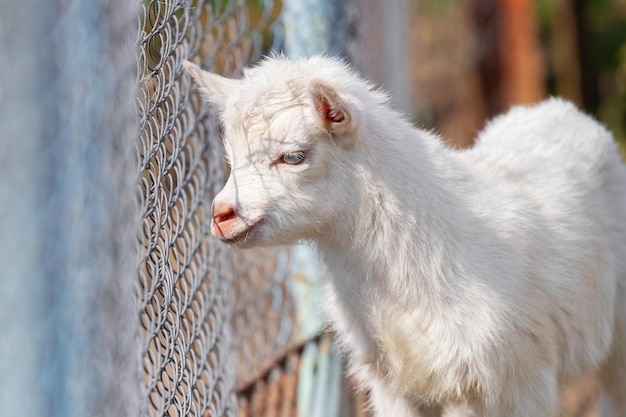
(470, 60)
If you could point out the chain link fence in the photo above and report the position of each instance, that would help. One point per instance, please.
(212, 319)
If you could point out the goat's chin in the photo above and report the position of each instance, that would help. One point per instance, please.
(259, 234)
(262, 232)
(243, 237)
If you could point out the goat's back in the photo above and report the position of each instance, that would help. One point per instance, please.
(556, 173)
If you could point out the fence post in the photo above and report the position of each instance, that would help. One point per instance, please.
(67, 217)
(313, 27)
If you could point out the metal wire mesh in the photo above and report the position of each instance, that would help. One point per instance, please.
(188, 283)
(264, 315)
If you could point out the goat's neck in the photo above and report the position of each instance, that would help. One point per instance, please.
(402, 237)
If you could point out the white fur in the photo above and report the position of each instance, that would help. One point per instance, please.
(482, 279)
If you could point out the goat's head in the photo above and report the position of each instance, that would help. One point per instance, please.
(289, 129)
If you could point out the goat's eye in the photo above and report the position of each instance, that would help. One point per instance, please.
(292, 158)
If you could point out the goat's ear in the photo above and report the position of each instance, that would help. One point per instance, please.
(331, 109)
(214, 87)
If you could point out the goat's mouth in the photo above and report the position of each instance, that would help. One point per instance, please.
(239, 234)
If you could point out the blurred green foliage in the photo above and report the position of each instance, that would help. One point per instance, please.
(601, 33)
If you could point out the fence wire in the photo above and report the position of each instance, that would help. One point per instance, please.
(211, 318)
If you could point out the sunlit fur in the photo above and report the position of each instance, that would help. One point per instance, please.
(482, 279)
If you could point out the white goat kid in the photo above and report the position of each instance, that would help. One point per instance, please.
(483, 279)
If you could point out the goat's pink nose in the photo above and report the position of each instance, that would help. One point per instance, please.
(224, 215)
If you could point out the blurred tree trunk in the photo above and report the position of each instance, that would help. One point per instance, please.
(487, 27)
(510, 60)
(520, 53)
(565, 51)
(588, 72)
